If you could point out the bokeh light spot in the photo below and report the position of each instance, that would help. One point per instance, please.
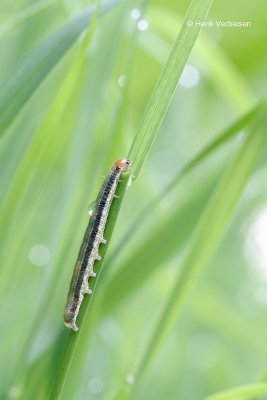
(190, 76)
(39, 255)
(95, 385)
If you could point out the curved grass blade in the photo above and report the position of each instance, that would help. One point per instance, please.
(72, 84)
(146, 133)
(26, 79)
(240, 393)
(126, 273)
(62, 227)
(145, 261)
(71, 89)
(207, 236)
(24, 14)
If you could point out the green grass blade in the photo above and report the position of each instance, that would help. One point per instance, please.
(69, 204)
(214, 145)
(146, 133)
(145, 261)
(223, 73)
(164, 90)
(138, 274)
(240, 393)
(26, 79)
(74, 337)
(206, 239)
(61, 106)
(24, 14)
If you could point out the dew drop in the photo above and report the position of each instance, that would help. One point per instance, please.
(91, 208)
(130, 181)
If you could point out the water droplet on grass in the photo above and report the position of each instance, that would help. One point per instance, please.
(91, 208)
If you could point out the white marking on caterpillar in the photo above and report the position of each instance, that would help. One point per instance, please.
(93, 237)
(88, 291)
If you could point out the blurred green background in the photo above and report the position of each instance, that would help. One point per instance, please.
(52, 159)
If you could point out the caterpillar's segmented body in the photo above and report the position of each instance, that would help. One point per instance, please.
(93, 237)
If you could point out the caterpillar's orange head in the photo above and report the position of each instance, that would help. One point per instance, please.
(122, 164)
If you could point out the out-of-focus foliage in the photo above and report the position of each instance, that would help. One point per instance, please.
(52, 157)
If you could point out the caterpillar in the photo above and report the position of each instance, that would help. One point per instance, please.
(93, 237)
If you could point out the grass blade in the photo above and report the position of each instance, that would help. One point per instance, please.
(206, 239)
(74, 337)
(240, 393)
(208, 150)
(222, 71)
(139, 266)
(149, 126)
(19, 88)
(24, 14)
(164, 90)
